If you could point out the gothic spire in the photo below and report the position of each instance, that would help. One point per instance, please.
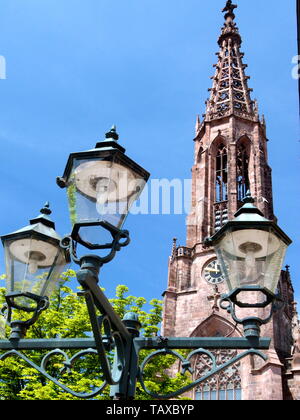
(230, 94)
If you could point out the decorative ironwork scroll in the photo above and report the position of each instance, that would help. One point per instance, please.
(186, 366)
(68, 364)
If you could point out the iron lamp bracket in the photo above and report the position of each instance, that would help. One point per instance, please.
(251, 325)
(19, 328)
(120, 239)
(233, 297)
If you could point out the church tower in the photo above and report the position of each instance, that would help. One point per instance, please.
(230, 158)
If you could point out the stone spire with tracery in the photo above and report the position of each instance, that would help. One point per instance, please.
(230, 93)
(230, 158)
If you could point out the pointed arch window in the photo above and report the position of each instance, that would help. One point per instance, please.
(243, 184)
(221, 174)
(223, 386)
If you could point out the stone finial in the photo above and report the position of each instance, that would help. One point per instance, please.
(255, 106)
(229, 8)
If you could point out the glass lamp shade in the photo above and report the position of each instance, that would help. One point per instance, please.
(102, 184)
(251, 257)
(34, 262)
(250, 249)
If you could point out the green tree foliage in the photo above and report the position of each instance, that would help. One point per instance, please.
(67, 317)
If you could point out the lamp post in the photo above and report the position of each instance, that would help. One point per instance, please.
(102, 184)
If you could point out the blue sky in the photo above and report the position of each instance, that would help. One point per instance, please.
(76, 67)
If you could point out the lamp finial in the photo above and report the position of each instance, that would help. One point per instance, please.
(46, 209)
(112, 134)
(248, 198)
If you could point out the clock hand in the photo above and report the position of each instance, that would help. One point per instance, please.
(212, 270)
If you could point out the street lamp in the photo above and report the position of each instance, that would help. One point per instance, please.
(250, 250)
(102, 185)
(34, 262)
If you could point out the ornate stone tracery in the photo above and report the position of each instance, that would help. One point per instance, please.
(224, 386)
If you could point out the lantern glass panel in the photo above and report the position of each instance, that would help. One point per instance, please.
(251, 257)
(102, 190)
(33, 265)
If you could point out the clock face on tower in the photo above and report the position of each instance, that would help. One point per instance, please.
(212, 272)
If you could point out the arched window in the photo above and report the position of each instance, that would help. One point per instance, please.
(243, 184)
(221, 174)
(225, 385)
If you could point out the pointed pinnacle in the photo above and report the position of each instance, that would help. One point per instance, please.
(198, 124)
